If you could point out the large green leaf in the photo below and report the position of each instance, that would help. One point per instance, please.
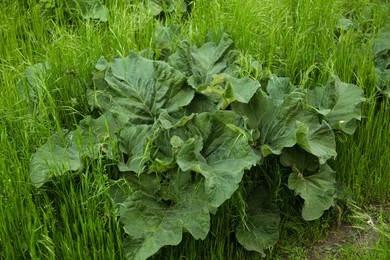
(156, 219)
(344, 24)
(32, 85)
(64, 151)
(383, 80)
(278, 114)
(135, 144)
(382, 41)
(260, 229)
(137, 90)
(168, 121)
(97, 136)
(339, 103)
(225, 89)
(276, 119)
(382, 60)
(57, 156)
(90, 9)
(212, 144)
(300, 160)
(316, 138)
(159, 6)
(200, 104)
(205, 68)
(216, 149)
(200, 64)
(318, 190)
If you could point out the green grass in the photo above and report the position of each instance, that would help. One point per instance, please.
(72, 217)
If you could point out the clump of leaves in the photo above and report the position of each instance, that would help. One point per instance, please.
(160, 8)
(382, 60)
(32, 86)
(87, 9)
(184, 131)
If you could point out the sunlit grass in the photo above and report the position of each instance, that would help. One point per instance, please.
(72, 217)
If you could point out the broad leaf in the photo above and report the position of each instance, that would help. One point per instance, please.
(339, 103)
(156, 219)
(58, 156)
(173, 121)
(137, 90)
(159, 6)
(382, 60)
(164, 40)
(344, 24)
(200, 64)
(383, 80)
(243, 89)
(296, 158)
(280, 117)
(382, 42)
(135, 144)
(90, 9)
(219, 152)
(318, 191)
(98, 136)
(279, 87)
(316, 138)
(64, 151)
(32, 85)
(225, 89)
(275, 116)
(260, 229)
(200, 104)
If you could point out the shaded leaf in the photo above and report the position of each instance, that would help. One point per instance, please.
(344, 24)
(159, 6)
(296, 158)
(219, 152)
(382, 41)
(260, 229)
(169, 121)
(318, 191)
(58, 156)
(316, 138)
(274, 115)
(278, 112)
(134, 143)
(382, 60)
(32, 86)
(164, 40)
(90, 9)
(64, 151)
(153, 223)
(383, 80)
(200, 104)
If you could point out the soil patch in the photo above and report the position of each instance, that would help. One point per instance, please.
(362, 236)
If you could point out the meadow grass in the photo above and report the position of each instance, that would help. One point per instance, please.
(72, 217)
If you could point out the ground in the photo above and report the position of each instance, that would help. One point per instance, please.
(361, 237)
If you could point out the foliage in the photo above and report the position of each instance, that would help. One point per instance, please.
(382, 60)
(158, 7)
(32, 87)
(183, 132)
(88, 9)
